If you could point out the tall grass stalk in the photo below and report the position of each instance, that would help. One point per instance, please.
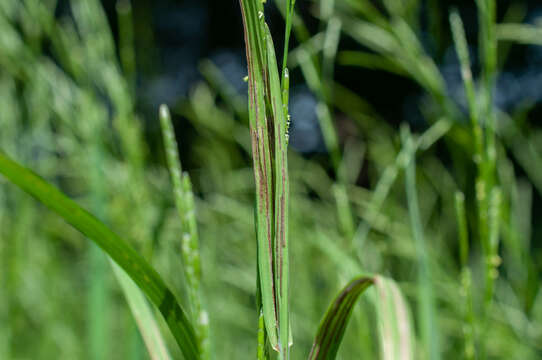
(483, 114)
(485, 187)
(426, 307)
(289, 17)
(99, 292)
(466, 277)
(493, 259)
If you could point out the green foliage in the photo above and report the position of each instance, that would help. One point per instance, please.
(446, 215)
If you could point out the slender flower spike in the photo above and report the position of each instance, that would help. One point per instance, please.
(184, 201)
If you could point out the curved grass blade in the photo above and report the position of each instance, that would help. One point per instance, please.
(332, 327)
(143, 316)
(393, 319)
(146, 278)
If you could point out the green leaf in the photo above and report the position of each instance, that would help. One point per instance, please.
(262, 162)
(268, 115)
(332, 327)
(281, 196)
(146, 278)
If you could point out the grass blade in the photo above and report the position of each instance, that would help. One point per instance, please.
(281, 196)
(332, 327)
(146, 278)
(289, 17)
(520, 33)
(143, 316)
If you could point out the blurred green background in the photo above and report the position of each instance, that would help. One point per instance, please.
(80, 86)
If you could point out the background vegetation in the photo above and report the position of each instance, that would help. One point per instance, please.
(398, 166)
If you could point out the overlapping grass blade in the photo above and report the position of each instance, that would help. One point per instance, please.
(281, 195)
(146, 278)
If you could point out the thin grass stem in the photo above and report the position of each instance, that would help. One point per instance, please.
(466, 277)
(427, 318)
